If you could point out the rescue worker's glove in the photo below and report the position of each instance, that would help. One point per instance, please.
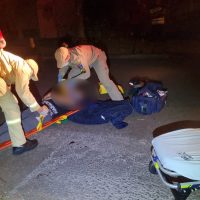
(60, 78)
(43, 111)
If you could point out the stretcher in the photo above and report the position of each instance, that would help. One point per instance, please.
(41, 127)
(175, 157)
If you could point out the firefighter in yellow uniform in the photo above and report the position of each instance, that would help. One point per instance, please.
(15, 70)
(81, 59)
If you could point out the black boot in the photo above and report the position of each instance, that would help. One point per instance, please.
(29, 145)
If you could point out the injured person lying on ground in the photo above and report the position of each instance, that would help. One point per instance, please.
(69, 96)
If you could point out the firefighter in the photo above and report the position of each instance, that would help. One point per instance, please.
(81, 59)
(17, 71)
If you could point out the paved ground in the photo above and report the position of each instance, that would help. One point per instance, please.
(75, 162)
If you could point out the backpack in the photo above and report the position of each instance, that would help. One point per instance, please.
(151, 98)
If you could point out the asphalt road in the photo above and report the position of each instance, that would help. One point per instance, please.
(76, 162)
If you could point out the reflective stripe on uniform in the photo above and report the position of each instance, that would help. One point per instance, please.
(33, 105)
(15, 121)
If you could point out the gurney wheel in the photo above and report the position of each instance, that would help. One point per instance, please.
(181, 195)
(152, 168)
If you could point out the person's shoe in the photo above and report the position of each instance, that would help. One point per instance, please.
(29, 145)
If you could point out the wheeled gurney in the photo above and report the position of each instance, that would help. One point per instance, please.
(175, 157)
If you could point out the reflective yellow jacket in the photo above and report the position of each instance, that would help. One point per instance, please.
(14, 70)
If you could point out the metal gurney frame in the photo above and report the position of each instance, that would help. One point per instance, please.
(180, 189)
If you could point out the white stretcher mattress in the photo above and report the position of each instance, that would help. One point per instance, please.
(179, 151)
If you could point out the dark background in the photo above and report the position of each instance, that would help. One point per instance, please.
(77, 162)
(118, 26)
